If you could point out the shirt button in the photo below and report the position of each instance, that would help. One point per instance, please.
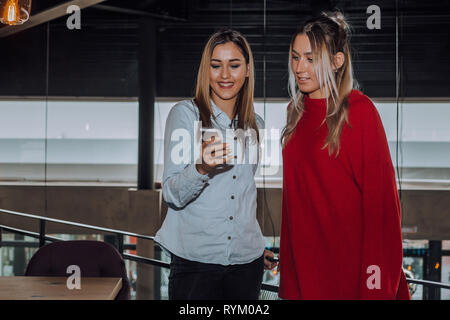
(235, 157)
(232, 197)
(229, 238)
(231, 217)
(235, 138)
(234, 177)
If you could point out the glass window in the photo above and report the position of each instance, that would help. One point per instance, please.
(80, 142)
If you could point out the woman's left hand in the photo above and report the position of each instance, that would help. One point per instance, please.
(267, 264)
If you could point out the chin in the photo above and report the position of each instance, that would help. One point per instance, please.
(227, 96)
(305, 90)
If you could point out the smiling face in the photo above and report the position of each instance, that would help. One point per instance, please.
(227, 72)
(303, 68)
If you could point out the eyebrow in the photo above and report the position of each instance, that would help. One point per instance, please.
(306, 53)
(231, 60)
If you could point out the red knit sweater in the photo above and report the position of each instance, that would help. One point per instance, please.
(340, 215)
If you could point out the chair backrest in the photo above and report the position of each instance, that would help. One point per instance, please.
(95, 259)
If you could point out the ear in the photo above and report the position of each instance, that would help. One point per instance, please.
(338, 60)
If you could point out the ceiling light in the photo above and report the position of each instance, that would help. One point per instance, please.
(14, 12)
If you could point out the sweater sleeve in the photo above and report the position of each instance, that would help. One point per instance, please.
(381, 258)
(181, 180)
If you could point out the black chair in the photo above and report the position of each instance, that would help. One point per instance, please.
(95, 259)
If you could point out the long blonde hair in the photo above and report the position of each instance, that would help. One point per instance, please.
(328, 34)
(244, 102)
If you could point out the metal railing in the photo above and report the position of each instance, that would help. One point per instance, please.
(43, 237)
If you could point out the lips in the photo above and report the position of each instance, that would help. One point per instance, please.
(226, 85)
(302, 79)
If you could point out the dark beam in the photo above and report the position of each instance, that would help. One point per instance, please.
(433, 268)
(137, 13)
(47, 15)
(147, 93)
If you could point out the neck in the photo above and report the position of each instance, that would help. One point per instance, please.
(226, 106)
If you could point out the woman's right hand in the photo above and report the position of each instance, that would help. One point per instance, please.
(213, 154)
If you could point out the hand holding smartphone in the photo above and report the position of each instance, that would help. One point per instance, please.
(214, 152)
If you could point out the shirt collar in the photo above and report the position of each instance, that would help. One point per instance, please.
(217, 111)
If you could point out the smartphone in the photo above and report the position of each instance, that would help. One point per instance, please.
(271, 259)
(208, 133)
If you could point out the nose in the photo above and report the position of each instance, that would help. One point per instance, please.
(225, 74)
(301, 66)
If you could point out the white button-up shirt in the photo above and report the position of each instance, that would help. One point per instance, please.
(211, 218)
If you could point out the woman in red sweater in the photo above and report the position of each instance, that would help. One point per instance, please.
(341, 230)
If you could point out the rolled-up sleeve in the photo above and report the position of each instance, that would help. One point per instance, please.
(181, 181)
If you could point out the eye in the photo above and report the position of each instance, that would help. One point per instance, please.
(215, 66)
(235, 66)
(295, 58)
(310, 60)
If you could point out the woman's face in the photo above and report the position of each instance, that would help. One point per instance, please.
(227, 72)
(303, 68)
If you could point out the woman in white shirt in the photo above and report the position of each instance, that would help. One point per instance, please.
(211, 229)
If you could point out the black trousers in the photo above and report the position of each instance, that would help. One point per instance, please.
(191, 280)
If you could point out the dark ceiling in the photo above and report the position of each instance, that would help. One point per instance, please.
(101, 59)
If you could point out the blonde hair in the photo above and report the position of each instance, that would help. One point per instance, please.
(328, 34)
(244, 102)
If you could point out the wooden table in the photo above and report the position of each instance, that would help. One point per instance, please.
(55, 288)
